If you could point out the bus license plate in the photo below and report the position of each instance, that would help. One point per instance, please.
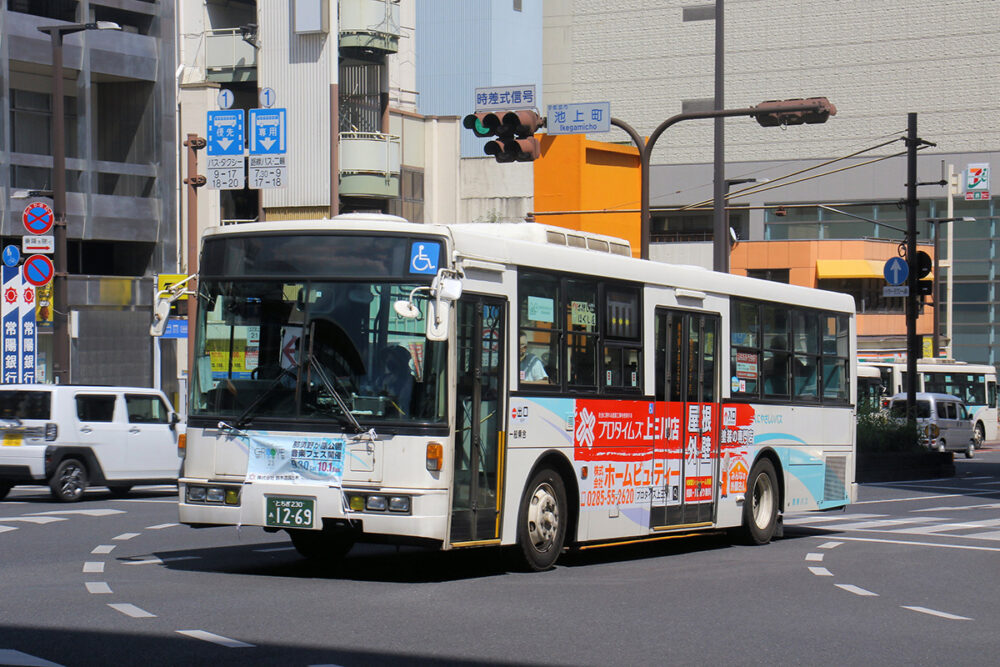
(289, 512)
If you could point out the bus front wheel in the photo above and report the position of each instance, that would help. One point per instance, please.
(978, 435)
(760, 507)
(541, 524)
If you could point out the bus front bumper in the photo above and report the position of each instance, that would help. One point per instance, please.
(208, 503)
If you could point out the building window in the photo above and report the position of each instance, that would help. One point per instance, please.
(31, 122)
(774, 275)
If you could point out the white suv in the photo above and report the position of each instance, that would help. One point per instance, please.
(70, 436)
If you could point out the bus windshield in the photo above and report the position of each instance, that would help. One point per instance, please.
(304, 350)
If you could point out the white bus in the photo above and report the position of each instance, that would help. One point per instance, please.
(975, 384)
(555, 390)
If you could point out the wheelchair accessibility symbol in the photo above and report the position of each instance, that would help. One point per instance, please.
(424, 257)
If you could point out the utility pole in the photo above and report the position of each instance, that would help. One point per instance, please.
(913, 349)
(194, 180)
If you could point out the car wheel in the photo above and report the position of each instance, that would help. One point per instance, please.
(978, 435)
(541, 524)
(69, 481)
(970, 451)
(760, 506)
(119, 490)
(5, 488)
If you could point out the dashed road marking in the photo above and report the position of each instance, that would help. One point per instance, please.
(214, 638)
(98, 587)
(821, 571)
(37, 520)
(104, 548)
(939, 614)
(93, 566)
(922, 544)
(829, 545)
(851, 588)
(154, 560)
(813, 557)
(161, 526)
(126, 536)
(131, 610)
(7, 529)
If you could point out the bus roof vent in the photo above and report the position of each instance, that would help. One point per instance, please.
(555, 237)
(621, 249)
(576, 241)
(598, 244)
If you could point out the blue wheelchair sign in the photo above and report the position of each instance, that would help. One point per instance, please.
(424, 257)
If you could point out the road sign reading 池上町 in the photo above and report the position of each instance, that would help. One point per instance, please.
(578, 118)
(896, 271)
(38, 217)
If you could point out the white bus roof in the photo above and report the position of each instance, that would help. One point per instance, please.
(557, 248)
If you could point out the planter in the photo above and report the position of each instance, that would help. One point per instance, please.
(901, 466)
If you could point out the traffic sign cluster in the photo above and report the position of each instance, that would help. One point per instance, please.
(227, 150)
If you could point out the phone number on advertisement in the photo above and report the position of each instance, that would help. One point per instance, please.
(608, 497)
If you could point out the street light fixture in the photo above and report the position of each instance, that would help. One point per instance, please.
(60, 330)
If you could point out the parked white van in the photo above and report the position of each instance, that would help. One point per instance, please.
(943, 421)
(72, 436)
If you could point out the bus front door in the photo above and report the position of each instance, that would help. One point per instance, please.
(687, 388)
(479, 427)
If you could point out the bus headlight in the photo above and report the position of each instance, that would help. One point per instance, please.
(375, 503)
(196, 494)
(399, 504)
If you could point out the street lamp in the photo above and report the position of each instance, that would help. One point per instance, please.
(937, 282)
(60, 331)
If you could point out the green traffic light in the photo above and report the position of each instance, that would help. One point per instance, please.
(475, 123)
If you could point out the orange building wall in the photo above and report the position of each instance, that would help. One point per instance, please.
(799, 257)
(575, 174)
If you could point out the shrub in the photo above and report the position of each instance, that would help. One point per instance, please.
(878, 433)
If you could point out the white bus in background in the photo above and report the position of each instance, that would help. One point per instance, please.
(975, 384)
(555, 391)
(871, 387)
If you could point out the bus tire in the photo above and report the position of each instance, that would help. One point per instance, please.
(541, 522)
(321, 544)
(978, 435)
(760, 506)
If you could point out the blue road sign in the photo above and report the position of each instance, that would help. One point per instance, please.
(896, 271)
(268, 128)
(578, 118)
(225, 132)
(11, 255)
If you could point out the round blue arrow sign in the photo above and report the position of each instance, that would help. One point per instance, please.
(896, 271)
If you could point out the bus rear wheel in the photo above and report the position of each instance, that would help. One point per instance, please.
(321, 545)
(541, 523)
(978, 435)
(760, 506)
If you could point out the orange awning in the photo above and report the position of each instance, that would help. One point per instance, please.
(848, 268)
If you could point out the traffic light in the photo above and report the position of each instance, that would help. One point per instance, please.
(777, 112)
(514, 130)
(922, 268)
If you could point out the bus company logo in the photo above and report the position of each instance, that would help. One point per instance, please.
(585, 428)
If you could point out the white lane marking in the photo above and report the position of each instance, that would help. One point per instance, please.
(814, 558)
(942, 528)
(37, 520)
(934, 497)
(7, 529)
(98, 587)
(131, 610)
(104, 548)
(93, 566)
(821, 571)
(161, 526)
(989, 535)
(273, 549)
(921, 544)
(94, 512)
(989, 483)
(882, 524)
(851, 588)
(812, 518)
(215, 639)
(969, 479)
(829, 545)
(939, 614)
(153, 560)
(956, 508)
(11, 657)
(126, 536)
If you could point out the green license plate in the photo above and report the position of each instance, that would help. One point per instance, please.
(286, 512)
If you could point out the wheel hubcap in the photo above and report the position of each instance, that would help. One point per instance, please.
(71, 481)
(763, 501)
(543, 518)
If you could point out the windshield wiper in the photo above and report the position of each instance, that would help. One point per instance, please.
(247, 415)
(325, 379)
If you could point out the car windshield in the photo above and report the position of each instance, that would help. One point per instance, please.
(25, 404)
(304, 350)
(898, 409)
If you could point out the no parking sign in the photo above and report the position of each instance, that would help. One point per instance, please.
(38, 218)
(38, 270)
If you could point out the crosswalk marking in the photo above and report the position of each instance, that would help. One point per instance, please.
(883, 523)
(814, 518)
(947, 527)
(37, 520)
(93, 512)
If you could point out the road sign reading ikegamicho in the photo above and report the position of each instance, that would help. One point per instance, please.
(578, 118)
(38, 217)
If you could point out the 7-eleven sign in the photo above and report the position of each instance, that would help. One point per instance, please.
(977, 181)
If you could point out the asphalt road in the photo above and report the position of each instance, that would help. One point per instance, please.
(908, 575)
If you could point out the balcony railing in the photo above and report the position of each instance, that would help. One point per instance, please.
(228, 57)
(369, 165)
(370, 24)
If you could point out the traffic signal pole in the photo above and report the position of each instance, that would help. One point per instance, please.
(913, 349)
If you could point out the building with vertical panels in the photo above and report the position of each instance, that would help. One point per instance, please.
(121, 169)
